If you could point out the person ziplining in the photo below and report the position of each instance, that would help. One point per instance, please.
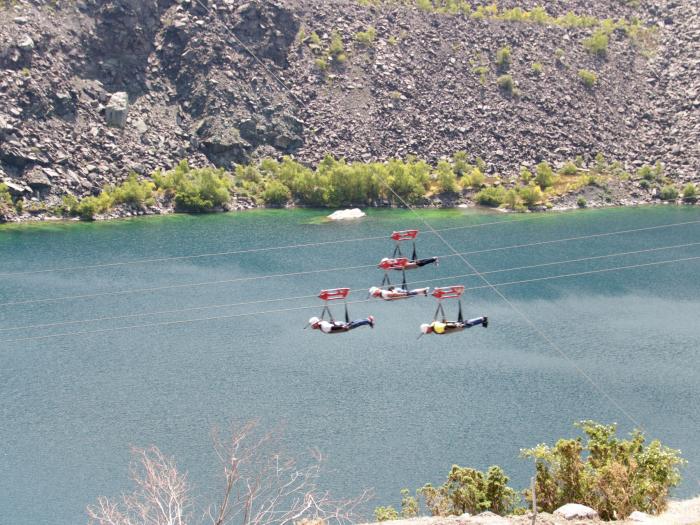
(392, 293)
(401, 263)
(331, 325)
(444, 327)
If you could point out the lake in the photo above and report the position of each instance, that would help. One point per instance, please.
(388, 410)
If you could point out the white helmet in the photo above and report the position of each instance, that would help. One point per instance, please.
(375, 292)
(314, 322)
(426, 328)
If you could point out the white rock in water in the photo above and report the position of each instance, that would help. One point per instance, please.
(572, 511)
(343, 215)
(640, 517)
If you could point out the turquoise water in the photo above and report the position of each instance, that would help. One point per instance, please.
(388, 410)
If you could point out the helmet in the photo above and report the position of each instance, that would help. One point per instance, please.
(375, 292)
(314, 322)
(426, 328)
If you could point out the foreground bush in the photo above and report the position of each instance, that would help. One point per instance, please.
(133, 192)
(690, 192)
(612, 475)
(491, 196)
(668, 193)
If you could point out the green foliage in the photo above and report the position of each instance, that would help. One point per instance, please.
(537, 68)
(597, 43)
(460, 163)
(276, 193)
(526, 175)
(569, 169)
(446, 178)
(511, 199)
(472, 491)
(133, 192)
(337, 49)
(476, 178)
(483, 72)
(493, 196)
(644, 184)
(601, 165)
(505, 82)
(385, 513)
(668, 193)
(612, 475)
(366, 38)
(588, 77)
(195, 190)
(559, 56)
(409, 505)
(392, 40)
(321, 64)
(315, 42)
(90, 206)
(503, 58)
(690, 192)
(5, 197)
(544, 175)
(531, 195)
(581, 202)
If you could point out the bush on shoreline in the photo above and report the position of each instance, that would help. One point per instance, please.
(615, 476)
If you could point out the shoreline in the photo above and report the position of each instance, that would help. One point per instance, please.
(124, 213)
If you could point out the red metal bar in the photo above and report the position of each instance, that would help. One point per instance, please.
(334, 294)
(448, 292)
(404, 235)
(393, 264)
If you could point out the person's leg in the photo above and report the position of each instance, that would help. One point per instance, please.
(477, 321)
(423, 262)
(361, 322)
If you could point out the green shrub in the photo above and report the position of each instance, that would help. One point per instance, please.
(612, 475)
(195, 190)
(569, 169)
(588, 77)
(690, 192)
(409, 505)
(511, 199)
(526, 175)
(597, 43)
(491, 196)
(544, 175)
(90, 206)
(537, 68)
(644, 184)
(559, 55)
(385, 514)
(581, 202)
(276, 193)
(476, 178)
(446, 178)
(531, 195)
(668, 193)
(460, 163)
(503, 58)
(5, 197)
(337, 49)
(366, 38)
(133, 192)
(483, 72)
(472, 491)
(505, 82)
(321, 64)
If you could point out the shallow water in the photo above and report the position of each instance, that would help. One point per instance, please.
(388, 410)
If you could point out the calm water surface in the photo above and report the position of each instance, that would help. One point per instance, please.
(388, 410)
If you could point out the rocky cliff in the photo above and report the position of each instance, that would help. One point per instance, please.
(93, 89)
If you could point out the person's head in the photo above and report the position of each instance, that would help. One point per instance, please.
(426, 328)
(315, 323)
(375, 291)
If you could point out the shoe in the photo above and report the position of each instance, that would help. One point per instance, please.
(485, 324)
(370, 318)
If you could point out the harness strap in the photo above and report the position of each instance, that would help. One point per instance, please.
(347, 316)
(414, 251)
(460, 318)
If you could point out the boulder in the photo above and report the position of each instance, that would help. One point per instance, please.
(572, 511)
(343, 215)
(25, 43)
(639, 517)
(16, 190)
(117, 109)
(37, 180)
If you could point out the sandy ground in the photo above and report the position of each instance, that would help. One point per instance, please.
(686, 512)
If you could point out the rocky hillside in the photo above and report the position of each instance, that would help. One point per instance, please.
(93, 89)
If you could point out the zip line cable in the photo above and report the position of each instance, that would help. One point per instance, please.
(165, 323)
(250, 250)
(354, 290)
(310, 272)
